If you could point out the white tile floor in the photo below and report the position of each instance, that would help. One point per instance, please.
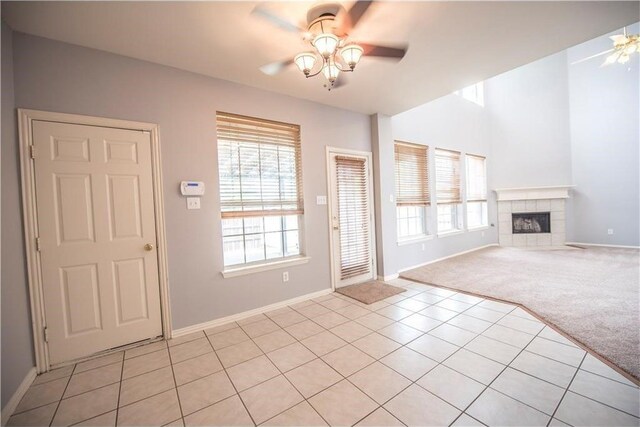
(427, 356)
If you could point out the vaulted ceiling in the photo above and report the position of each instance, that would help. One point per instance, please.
(451, 44)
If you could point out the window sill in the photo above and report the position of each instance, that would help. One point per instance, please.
(479, 228)
(256, 268)
(450, 233)
(413, 240)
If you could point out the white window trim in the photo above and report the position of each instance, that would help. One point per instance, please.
(451, 233)
(478, 228)
(407, 240)
(245, 269)
(415, 239)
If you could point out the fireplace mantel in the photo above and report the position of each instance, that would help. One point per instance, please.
(533, 193)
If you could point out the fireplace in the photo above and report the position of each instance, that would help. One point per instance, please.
(531, 222)
(532, 216)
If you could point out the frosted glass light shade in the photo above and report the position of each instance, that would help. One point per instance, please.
(611, 58)
(330, 71)
(305, 61)
(326, 44)
(351, 54)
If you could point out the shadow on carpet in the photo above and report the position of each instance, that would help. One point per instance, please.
(591, 294)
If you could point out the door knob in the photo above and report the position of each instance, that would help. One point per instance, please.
(148, 247)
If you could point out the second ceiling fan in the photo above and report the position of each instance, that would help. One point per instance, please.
(331, 50)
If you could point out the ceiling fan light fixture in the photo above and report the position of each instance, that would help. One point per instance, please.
(326, 44)
(351, 55)
(331, 71)
(305, 62)
(612, 58)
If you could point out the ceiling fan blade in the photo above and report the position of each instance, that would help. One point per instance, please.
(276, 20)
(275, 67)
(349, 19)
(619, 38)
(384, 51)
(592, 56)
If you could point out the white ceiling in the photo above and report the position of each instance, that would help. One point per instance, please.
(451, 44)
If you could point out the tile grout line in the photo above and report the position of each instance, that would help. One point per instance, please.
(175, 383)
(286, 378)
(119, 389)
(62, 396)
(305, 399)
(464, 411)
(224, 369)
(566, 390)
(379, 406)
(412, 382)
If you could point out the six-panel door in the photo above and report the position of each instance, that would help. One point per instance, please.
(97, 237)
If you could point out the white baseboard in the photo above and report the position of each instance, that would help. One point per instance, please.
(602, 245)
(447, 257)
(12, 404)
(390, 277)
(245, 314)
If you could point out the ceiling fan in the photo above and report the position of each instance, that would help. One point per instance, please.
(624, 46)
(327, 33)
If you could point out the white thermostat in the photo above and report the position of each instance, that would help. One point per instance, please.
(192, 188)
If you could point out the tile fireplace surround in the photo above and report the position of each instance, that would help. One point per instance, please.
(532, 200)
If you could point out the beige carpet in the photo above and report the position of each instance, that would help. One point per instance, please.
(591, 294)
(370, 292)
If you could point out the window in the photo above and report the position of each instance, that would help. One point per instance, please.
(260, 189)
(473, 93)
(476, 191)
(412, 189)
(448, 194)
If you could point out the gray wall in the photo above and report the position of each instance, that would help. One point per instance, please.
(605, 144)
(17, 342)
(449, 122)
(59, 77)
(529, 124)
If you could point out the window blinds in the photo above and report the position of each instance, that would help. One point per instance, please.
(260, 167)
(476, 178)
(354, 215)
(448, 177)
(412, 178)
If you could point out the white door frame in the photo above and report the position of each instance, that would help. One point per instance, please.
(366, 154)
(30, 219)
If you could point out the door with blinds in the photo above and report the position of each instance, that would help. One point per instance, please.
(352, 225)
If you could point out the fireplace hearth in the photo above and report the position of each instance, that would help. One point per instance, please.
(531, 222)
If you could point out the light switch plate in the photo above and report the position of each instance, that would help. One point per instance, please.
(193, 203)
(321, 200)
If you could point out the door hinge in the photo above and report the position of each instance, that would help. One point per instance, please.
(38, 248)
(45, 332)
(32, 151)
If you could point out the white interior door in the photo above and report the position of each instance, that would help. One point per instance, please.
(97, 238)
(351, 218)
